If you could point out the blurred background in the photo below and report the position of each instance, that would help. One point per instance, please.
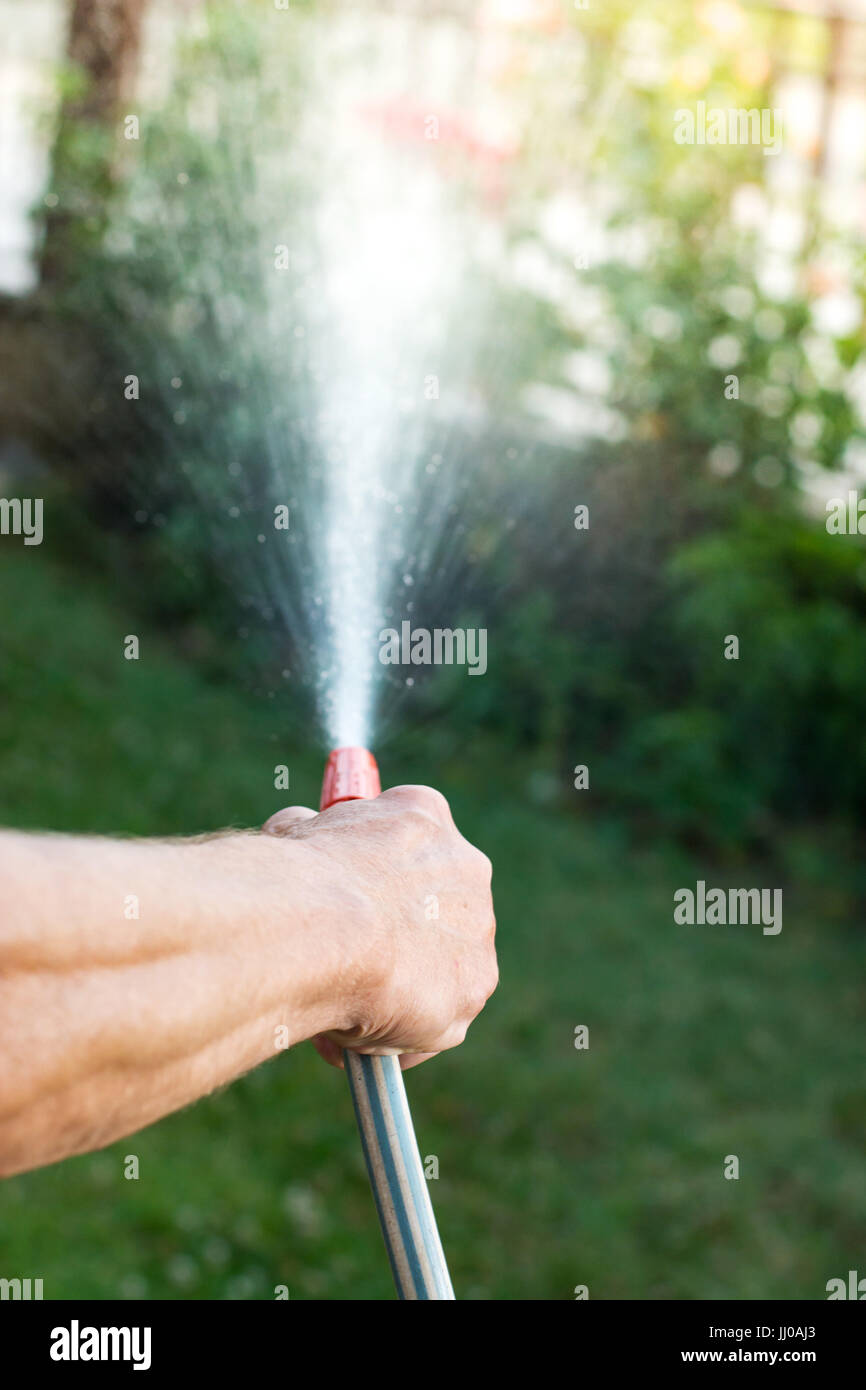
(671, 335)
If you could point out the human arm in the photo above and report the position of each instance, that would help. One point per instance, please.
(109, 1021)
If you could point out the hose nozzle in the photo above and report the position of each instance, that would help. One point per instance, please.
(351, 774)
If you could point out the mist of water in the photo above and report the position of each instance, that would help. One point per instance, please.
(386, 289)
(333, 381)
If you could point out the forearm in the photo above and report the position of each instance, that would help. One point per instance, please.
(109, 1020)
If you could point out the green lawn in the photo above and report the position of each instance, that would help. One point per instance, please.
(557, 1167)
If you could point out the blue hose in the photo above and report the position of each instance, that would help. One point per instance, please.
(382, 1110)
(397, 1177)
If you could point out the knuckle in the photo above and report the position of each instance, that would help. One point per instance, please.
(455, 1035)
(492, 981)
(486, 982)
(483, 993)
(480, 865)
(421, 798)
(286, 821)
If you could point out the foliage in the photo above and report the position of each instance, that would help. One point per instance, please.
(606, 645)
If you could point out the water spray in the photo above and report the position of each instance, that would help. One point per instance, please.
(382, 1110)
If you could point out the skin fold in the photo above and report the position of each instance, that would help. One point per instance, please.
(368, 926)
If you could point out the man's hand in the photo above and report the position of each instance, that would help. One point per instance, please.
(425, 917)
(138, 975)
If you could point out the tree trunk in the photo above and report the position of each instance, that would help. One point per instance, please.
(103, 50)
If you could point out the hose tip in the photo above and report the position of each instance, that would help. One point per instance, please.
(351, 774)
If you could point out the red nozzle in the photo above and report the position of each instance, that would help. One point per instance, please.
(351, 774)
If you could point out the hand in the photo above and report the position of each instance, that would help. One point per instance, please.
(422, 894)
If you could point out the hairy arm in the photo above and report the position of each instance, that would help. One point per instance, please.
(109, 1020)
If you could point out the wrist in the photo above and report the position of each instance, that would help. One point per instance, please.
(324, 932)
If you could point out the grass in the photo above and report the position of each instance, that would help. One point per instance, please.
(557, 1167)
